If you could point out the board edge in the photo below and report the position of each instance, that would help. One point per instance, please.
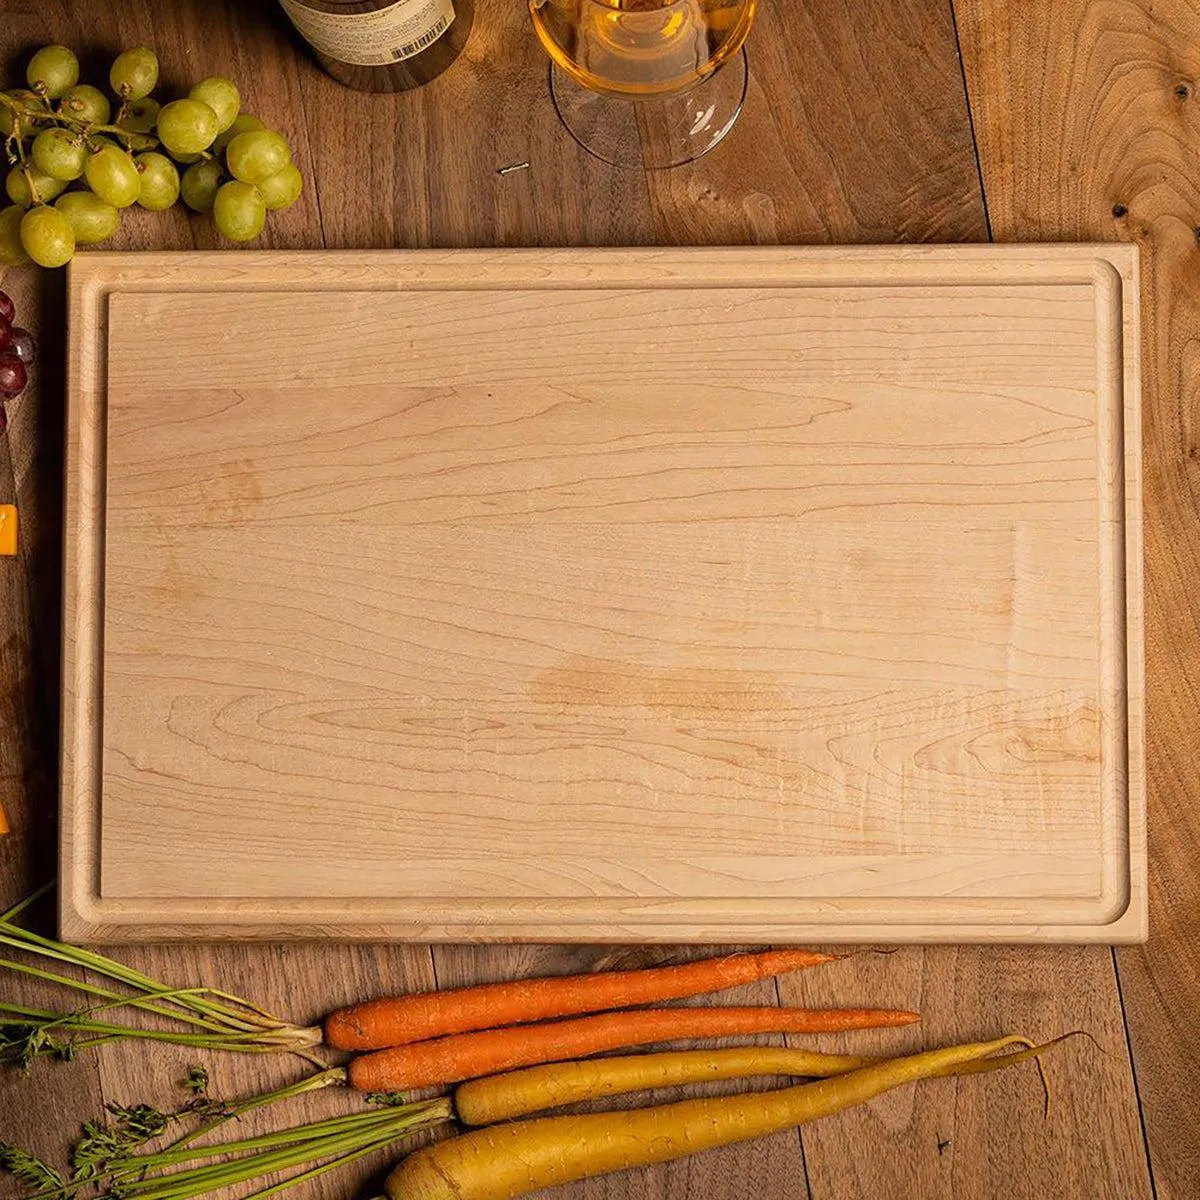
(82, 914)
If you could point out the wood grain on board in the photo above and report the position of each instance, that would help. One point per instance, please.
(1088, 119)
(420, 170)
(819, 625)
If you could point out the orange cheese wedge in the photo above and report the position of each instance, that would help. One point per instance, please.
(8, 530)
(8, 546)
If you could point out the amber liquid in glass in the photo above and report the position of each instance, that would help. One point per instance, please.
(642, 47)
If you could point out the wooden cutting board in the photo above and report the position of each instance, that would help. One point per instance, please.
(725, 595)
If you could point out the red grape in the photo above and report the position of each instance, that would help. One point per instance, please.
(7, 308)
(3, 420)
(22, 344)
(5, 334)
(12, 376)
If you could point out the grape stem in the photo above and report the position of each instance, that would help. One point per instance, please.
(34, 194)
(21, 111)
(133, 141)
(28, 113)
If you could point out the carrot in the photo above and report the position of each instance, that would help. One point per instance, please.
(402, 1019)
(506, 1161)
(490, 1051)
(535, 1089)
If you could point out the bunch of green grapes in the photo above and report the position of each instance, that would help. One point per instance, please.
(75, 163)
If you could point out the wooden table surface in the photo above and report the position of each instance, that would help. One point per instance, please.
(867, 121)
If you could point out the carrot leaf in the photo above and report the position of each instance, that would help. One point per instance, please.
(196, 1081)
(202, 1017)
(28, 1169)
(21, 1045)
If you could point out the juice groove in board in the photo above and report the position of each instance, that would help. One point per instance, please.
(511, 644)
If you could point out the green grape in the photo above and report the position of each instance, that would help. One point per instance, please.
(140, 115)
(134, 73)
(188, 159)
(282, 189)
(59, 154)
(52, 70)
(186, 126)
(86, 103)
(12, 253)
(239, 211)
(113, 176)
(47, 237)
(199, 185)
(160, 181)
(91, 219)
(17, 186)
(257, 155)
(221, 96)
(242, 123)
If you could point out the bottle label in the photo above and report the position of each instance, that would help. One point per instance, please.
(373, 39)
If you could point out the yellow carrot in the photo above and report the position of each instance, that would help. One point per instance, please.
(506, 1161)
(520, 1093)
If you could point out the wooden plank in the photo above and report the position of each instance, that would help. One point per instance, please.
(37, 1114)
(426, 163)
(247, 42)
(604, 561)
(1089, 126)
(30, 477)
(855, 130)
(975, 1139)
(33, 1114)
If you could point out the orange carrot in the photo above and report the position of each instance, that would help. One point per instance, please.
(403, 1019)
(490, 1051)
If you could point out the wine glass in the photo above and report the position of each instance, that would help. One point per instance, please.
(646, 83)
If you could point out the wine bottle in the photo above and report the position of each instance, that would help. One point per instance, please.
(383, 45)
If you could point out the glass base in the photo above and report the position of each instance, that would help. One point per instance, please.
(654, 132)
